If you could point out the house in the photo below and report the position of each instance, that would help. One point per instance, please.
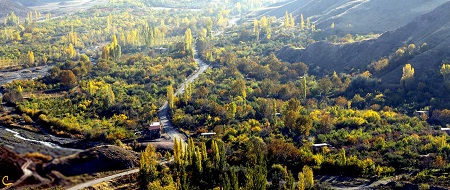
(447, 130)
(318, 147)
(420, 113)
(154, 130)
(207, 134)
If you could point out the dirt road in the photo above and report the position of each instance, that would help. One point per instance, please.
(100, 180)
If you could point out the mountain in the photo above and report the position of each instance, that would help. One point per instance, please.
(354, 16)
(8, 6)
(432, 28)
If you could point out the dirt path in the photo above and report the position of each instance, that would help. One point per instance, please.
(100, 180)
(26, 173)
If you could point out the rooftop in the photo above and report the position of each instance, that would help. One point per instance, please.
(320, 144)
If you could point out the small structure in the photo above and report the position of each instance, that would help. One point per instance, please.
(447, 130)
(420, 113)
(318, 147)
(154, 130)
(161, 50)
(207, 134)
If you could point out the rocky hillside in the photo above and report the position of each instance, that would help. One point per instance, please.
(97, 159)
(8, 6)
(355, 16)
(432, 28)
(10, 164)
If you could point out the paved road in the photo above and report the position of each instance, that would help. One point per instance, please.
(163, 113)
(100, 180)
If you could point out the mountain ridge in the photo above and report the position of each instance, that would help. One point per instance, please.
(354, 16)
(432, 28)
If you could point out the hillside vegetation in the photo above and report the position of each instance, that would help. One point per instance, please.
(355, 16)
(432, 29)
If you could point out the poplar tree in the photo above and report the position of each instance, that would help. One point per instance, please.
(170, 96)
(308, 23)
(72, 52)
(31, 57)
(301, 181)
(148, 166)
(188, 43)
(407, 76)
(309, 177)
(286, 20)
(256, 29)
(291, 20)
(302, 22)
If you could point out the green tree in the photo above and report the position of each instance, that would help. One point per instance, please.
(67, 78)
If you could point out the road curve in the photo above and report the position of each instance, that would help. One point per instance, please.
(163, 113)
(100, 180)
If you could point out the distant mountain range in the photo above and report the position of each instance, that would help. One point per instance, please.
(8, 6)
(432, 28)
(354, 16)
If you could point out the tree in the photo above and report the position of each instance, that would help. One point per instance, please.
(188, 43)
(304, 125)
(287, 22)
(301, 181)
(407, 76)
(302, 22)
(71, 51)
(148, 166)
(291, 20)
(256, 29)
(30, 57)
(170, 96)
(445, 71)
(308, 23)
(209, 24)
(309, 177)
(278, 175)
(325, 85)
(67, 78)
(238, 88)
(332, 25)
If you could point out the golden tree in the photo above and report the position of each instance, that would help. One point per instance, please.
(407, 76)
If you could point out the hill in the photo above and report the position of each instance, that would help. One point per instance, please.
(8, 6)
(97, 159)
(432, 28)
(354, 16)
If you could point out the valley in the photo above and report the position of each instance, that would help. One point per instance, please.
(162, 94)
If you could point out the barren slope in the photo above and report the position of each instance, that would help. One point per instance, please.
(8, 6)
(355, 16)
(432, 28)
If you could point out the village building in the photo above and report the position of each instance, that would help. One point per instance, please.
(153, 131)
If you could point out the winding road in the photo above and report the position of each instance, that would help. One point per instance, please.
(163, 113)
(163, 116)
